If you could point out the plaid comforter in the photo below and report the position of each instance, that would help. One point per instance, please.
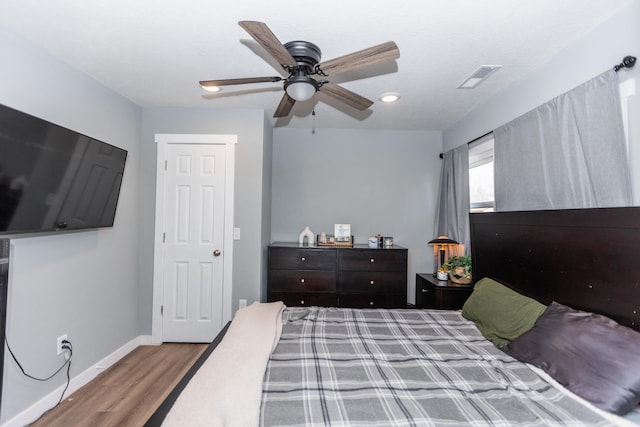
(352, 367)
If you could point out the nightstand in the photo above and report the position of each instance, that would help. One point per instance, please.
(440, 294)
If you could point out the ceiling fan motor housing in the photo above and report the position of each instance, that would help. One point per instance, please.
(306, 54)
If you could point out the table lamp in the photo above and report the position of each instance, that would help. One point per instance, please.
(442, 242)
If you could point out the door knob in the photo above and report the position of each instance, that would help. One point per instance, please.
(216, 252)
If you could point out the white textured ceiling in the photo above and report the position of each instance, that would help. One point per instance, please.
(154, 52)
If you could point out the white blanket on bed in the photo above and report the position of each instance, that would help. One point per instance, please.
(226, 390)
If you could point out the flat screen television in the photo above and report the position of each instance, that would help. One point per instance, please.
(53, 179)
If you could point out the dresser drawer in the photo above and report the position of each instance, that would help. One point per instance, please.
(373, 301)
(302, 281)
(297, 299)
(373, 260)
(374, 282)
(302, 259)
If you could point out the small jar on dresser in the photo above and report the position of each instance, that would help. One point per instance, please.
(356, 276)
(440, 294)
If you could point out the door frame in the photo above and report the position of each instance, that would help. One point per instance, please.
(162, 141)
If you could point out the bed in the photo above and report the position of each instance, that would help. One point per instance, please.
(318, 366)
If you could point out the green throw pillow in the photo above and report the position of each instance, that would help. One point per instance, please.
(500, 313)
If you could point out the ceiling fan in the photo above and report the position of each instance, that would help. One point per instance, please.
(301, 60)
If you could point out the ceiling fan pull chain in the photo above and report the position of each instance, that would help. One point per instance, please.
(313, 119)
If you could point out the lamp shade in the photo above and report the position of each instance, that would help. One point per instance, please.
(301, 91)
(443, 240)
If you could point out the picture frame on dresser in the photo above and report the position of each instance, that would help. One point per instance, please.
(342, 232)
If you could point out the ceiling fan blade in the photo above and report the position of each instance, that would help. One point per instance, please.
(362, 58)
(285, 106)
(228, 82)
(341, 94)
(265, 38)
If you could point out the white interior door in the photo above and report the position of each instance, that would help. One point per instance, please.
(189, 271)
(194, 244)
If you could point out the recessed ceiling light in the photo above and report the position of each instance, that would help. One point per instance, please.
(389, 97)
(211, 88)
(478, 76)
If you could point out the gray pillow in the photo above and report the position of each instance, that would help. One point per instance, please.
(590, 354)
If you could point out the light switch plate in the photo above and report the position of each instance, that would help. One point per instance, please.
(236, 233)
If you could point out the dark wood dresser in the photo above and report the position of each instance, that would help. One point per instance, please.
(329, 276)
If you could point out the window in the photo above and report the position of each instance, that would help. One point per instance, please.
(627, 91)
(481, 175)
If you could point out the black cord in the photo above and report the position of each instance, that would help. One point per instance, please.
(68, 373)
(66, 345)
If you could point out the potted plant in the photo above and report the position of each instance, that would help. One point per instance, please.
(459, 268)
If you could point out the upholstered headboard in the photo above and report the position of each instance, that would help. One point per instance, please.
(585, 258)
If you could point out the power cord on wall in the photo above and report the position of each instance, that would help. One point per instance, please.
(67, 346)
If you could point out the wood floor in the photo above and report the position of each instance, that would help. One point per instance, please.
(128, 392)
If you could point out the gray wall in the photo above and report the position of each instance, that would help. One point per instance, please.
(83, 284)
(97, 286)
(583, 60)
(252, 176)
(267, 165)
(378, 181)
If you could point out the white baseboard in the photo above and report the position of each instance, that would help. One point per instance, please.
(34, 411)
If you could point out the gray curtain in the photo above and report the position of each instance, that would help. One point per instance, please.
(452, 211)
(567, 153)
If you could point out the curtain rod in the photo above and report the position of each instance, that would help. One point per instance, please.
(627, 62)
(441, 155)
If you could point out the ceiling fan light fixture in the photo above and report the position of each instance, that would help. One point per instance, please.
(389, 97)
(301, 91)
(301, 87)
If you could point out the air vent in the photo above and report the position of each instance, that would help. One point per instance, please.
(478, 76)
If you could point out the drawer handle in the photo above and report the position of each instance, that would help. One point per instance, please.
(372, 282)
(301, 302)
(424, 291)
(372, 260)
(371, 303)
(303, 259)
(302, 280)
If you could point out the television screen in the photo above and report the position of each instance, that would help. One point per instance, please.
(55, 179)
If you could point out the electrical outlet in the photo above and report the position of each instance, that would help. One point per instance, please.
(242, 303)
(59, 349)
